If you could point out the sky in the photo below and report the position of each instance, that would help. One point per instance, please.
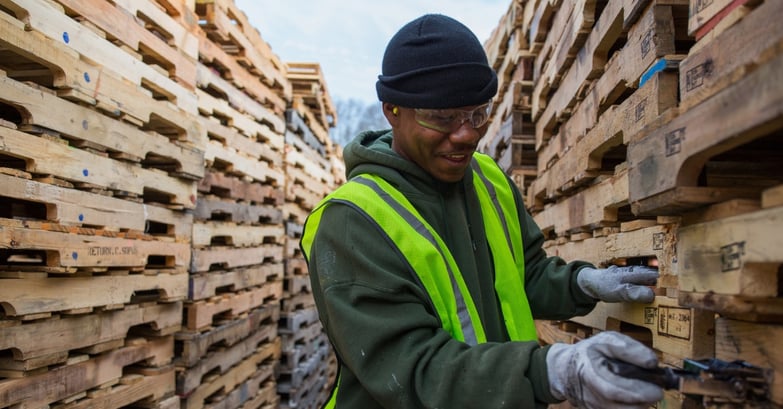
(348, 37)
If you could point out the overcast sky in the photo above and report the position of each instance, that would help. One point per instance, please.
(348, 37)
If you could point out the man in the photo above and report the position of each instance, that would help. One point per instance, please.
(427, 270)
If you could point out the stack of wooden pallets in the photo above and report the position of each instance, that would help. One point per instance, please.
(308, 365)
(657, 138)
(151, 191)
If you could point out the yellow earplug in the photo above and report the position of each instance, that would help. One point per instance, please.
(394, 111)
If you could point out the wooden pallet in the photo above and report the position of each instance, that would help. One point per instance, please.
(149, 388)
(229, 27)
(88, 128)
(304, 385)
(237, 235)
(713, 65)
(132, 33)
(258, 392)
(205, 314)
(648, 40)
(85, 374)
(675, 332)
(29, 248)
(210, 207)
(588, 144)
(33, 200)
(192, 346)
(43, 156)
(44, 342)
(231, 187)
(666, 162)
(219, 361)
(258, 367)
(209, 284)
(50, 20)
(736, 256)
(299, 134)
(39, 297)
(224, 257)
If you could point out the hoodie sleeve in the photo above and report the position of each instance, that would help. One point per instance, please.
(550, 281)
(393, 351)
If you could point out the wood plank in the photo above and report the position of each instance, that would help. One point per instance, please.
(64, 381)
(43, 17)
(672, 155)
(732, 55)
(259, 391)
(30, 340)
(230, 257)
(43, 156)
(165, 21)
(236, 140)
(195, 345)
(772, 197)
(676, 332)
(757, 344)
(736, 256)
(23, 296)
(200, 315)
(42, 108)
(207, 285)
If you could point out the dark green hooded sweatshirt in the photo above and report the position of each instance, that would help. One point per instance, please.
(392, 350)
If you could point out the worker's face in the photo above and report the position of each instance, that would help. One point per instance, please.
(445, 153)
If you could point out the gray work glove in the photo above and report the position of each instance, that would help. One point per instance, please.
(579, 372)
(615, 284)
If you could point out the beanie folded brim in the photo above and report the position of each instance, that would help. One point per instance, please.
(446, 86)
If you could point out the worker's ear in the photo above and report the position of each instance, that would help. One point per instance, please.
(392, 113)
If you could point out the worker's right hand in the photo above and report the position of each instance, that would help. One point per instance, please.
(579, 372)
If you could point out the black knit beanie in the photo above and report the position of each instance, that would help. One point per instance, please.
(435, 62)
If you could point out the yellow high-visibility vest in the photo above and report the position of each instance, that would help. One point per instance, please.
(431, 260)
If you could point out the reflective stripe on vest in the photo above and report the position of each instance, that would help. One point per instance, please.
(432, 261)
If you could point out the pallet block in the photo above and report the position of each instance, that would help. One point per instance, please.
(41, 389)
(675, 332)
(665, 162)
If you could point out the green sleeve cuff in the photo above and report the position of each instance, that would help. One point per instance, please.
(539, 376)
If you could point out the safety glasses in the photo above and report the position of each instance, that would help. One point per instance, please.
(449, 120)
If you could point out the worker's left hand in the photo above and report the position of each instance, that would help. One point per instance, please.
(615, 284)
